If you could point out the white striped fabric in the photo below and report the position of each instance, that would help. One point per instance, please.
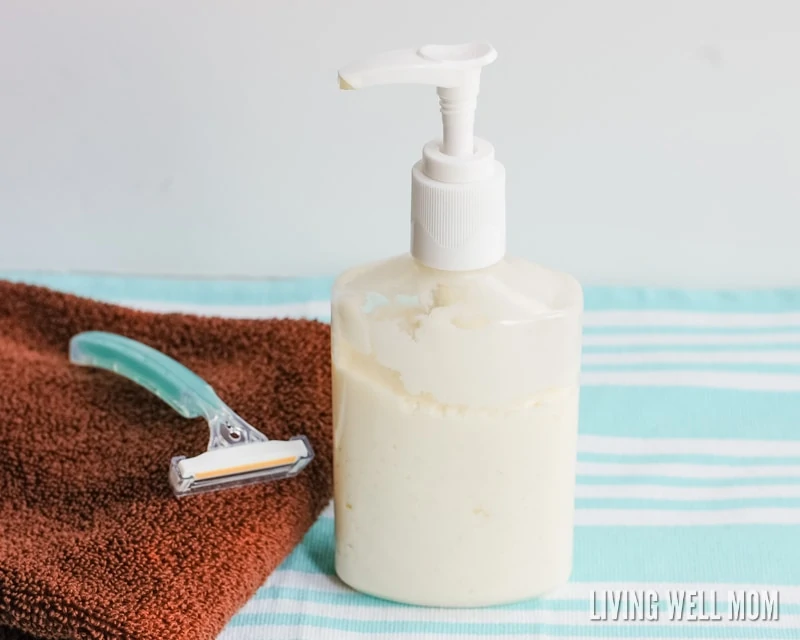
(688, 470)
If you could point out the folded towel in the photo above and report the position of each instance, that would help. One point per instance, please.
(92, 542)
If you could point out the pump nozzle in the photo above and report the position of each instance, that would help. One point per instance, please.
(458, 188)
(455, 70)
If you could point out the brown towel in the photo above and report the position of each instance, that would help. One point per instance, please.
(92, 542)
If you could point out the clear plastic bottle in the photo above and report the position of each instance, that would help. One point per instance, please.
(455, 406)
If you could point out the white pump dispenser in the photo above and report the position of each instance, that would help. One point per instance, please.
(458, 188)
(455, 380)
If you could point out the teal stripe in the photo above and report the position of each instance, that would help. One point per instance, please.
(687, 458)
(286, 290)
(669, 481)
(693, 348)
(722, 301)
(685, 505)
(355, 599)
(680, 412)
(733, 554)
(696, 366)
(316, 552)
(600, 629)
(651, 329)
(193, 291)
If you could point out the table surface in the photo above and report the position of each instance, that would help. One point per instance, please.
(688, 467)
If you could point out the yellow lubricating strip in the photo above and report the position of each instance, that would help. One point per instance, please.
(242, 468)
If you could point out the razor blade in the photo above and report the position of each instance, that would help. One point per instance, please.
(238, 454)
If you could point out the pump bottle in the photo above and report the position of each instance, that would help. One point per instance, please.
(455, 379)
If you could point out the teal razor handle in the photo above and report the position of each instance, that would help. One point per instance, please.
(179, 387)
(226, 462)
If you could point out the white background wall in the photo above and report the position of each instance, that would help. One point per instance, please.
(645, 142)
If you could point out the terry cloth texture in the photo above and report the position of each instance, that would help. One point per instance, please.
(92, 542)
(688, 472)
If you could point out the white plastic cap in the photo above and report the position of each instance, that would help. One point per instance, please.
(458, 188)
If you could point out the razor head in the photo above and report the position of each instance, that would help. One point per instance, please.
(239, 465)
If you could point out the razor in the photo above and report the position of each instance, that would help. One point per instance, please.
(238, 454)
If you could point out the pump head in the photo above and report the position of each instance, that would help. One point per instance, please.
(458, 188)
(454, 70)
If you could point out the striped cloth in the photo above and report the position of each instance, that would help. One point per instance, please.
(688, 467)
